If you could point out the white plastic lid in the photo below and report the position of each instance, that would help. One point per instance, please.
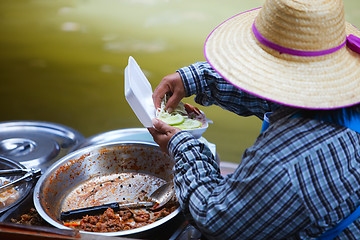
(138, 93)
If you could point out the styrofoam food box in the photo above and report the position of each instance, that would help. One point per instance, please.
(138, 93)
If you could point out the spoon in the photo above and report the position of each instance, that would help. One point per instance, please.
(162, 195)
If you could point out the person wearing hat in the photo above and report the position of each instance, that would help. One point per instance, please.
(299, 62)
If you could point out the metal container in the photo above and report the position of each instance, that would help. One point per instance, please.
(23, 190)
(133, 134)
(37, 144)
(97, 161)
(127, 134)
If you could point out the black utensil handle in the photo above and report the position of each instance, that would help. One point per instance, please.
(79, 213)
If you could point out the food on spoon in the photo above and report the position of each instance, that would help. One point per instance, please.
(184, 116)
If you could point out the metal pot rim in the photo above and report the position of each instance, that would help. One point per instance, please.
(71, 155)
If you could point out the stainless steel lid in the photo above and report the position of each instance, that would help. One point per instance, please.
(37, 144)
(128, 134)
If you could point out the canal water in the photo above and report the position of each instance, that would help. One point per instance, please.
(63, 61)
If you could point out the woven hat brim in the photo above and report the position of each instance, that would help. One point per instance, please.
(325, 82)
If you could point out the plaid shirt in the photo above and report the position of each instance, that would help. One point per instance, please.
(299, 179)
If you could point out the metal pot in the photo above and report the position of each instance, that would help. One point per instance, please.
(98, 161)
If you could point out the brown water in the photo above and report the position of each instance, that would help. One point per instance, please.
(63, 61)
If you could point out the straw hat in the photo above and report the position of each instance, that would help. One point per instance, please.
(296, 53)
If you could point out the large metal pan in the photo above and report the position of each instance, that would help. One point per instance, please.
(105, 161)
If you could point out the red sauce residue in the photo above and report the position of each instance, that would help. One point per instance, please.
(103, 150)
(118, 158)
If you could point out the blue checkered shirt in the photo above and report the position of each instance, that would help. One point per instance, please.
(299, 179)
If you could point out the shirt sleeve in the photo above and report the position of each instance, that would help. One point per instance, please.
(210, 88)
(257, 201)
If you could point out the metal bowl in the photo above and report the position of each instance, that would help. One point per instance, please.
(96, 161)
(23, 189)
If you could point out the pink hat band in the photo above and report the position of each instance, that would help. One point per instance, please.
(351, 42)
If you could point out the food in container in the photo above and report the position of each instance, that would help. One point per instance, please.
(13, 196)
(122, 220)
(81, 178)
(127, 187)
(138, 93)
(9, 196)
(184, 116)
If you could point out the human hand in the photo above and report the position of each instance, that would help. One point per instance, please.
(173, 86)
(162, 133)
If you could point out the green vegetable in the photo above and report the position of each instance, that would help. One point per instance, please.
(189, 124)
(178, 118)
(172, 119)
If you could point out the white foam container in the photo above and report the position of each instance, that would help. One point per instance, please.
(138, 93)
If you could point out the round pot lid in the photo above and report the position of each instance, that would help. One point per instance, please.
(37, 144)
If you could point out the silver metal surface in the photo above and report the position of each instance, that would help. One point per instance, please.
(97, 161)
(127, 134)
(37, 144)
(23, 188)
(133, 134)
